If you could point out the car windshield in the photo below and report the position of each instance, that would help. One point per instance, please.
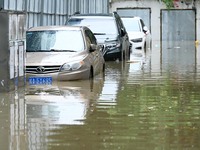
(131, 25)
(54, 40)
(99, 26)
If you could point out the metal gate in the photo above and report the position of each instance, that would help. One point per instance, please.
(178, 35)
(144, 13)
(12, 58)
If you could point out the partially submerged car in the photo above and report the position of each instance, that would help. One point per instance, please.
(138, 32)
(62, 53)
(109, 31)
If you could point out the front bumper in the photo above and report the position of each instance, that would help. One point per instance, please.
(136, 45)
(111, 54)
(63, 76)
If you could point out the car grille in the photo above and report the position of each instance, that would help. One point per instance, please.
(42, 69)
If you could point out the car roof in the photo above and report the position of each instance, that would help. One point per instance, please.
(91, 16)
(42, 28)
(94, 14)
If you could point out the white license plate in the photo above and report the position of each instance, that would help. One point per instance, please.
(40, 80)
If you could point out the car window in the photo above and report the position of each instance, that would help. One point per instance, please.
(58, 40)
(131, 25)
(97, 25)
(120, 23)
(91, 36)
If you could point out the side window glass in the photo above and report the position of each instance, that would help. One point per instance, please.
(91, 37)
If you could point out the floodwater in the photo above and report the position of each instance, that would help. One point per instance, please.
(134, 106)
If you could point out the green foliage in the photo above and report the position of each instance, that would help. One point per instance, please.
(168, 3)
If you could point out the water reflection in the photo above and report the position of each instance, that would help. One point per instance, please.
(13, 120)
(62, 103)
(179, 56)
(111, 86)
(126, 109)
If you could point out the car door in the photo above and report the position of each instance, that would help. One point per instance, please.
(96, 56)
(124, 37)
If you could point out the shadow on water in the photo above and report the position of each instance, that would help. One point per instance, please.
(129, 108)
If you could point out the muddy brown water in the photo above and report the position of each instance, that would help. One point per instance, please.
(132, 107)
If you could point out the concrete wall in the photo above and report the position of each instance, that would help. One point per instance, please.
(156, 6)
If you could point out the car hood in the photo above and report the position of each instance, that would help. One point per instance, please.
(135, 35)
(107, 37)
(51, 58)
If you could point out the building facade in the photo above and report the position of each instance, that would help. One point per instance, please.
(175, 25)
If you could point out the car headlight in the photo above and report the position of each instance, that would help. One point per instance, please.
(72, 66)
(113, 45)
(137, 40)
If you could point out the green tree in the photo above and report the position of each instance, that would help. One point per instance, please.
(168, 3)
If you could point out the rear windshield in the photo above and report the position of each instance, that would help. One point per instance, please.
(54, 40)
(131, 25)
(97, 25)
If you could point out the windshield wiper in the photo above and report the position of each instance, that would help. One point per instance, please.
(36, 50)
(61, 50)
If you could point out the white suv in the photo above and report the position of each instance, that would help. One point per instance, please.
(139, 34)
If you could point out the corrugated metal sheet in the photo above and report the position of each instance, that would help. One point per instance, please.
(93, 6)
(17, 5)
(53, 12)
(33, 5)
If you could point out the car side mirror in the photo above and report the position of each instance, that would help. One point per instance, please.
(93, 47)
(145, 29)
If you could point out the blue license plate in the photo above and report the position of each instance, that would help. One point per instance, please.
(40, 80)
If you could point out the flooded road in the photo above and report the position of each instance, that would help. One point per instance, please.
(132, 107)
